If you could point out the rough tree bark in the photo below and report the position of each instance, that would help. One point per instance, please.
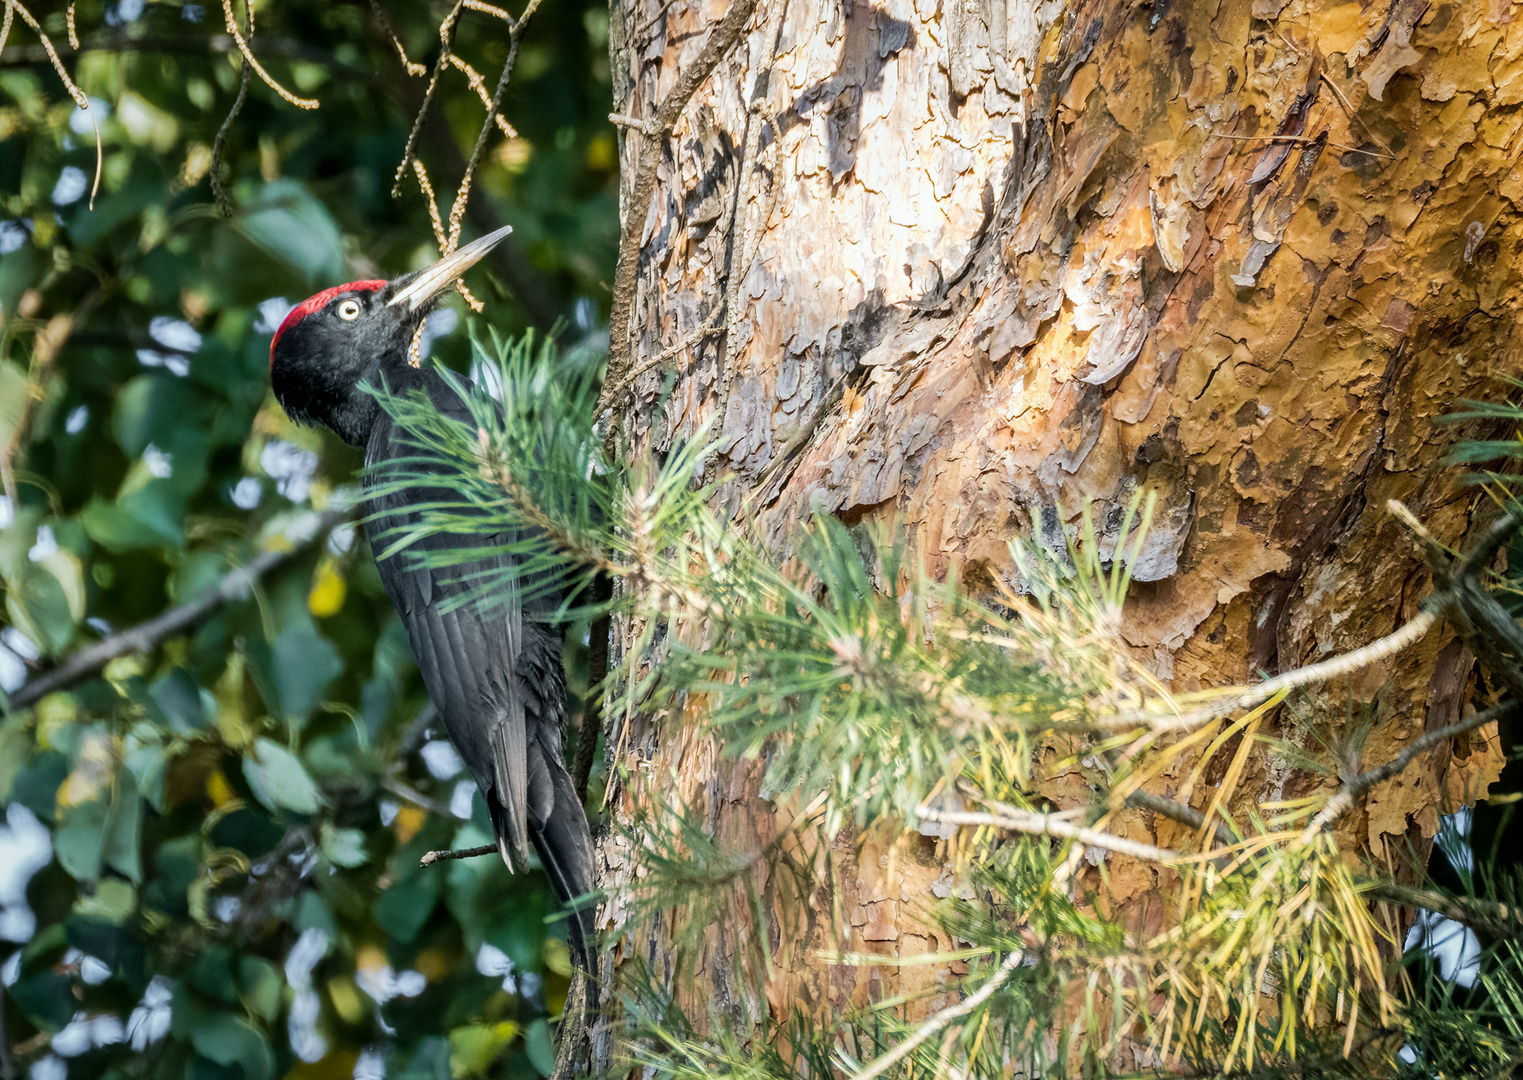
(1010, 257)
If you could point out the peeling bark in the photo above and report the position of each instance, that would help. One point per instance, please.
(1024, 257)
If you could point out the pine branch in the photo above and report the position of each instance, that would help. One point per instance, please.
(145, 637)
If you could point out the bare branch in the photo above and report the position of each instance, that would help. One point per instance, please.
(385, 24)
(940, 1020)
(1026, 821)
(644, 127)
(219, 190)
(248, 56)
(144, 637)
(431, 857)
(457, 208)
(446, 36)
(1493, 916)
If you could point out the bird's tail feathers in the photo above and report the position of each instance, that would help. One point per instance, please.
(564, 844)
(510, 765)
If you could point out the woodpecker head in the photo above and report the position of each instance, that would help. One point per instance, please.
(332, 343)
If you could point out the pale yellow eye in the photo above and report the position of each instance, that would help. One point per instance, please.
(349, 310)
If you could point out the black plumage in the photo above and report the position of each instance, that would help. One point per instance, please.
(494, 675)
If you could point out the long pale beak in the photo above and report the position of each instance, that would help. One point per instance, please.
(421, 290)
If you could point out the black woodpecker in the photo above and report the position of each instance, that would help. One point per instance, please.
(495, 677)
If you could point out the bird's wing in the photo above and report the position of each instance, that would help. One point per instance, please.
(469, 658)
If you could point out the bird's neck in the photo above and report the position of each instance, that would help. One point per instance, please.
(353, 410)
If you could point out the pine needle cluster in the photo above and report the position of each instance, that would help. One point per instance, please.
(874, 696)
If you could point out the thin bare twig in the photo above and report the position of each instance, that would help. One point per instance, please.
(940, 1020)
(220, 194)
(446, 37)
(479, 85)
(433, 203)
(431, 857)
(46, 344)
(1353, 787)
(78, 95)
(385, 24)
(1300, 139)
(721, 39)
(146, 636)
(1331, 668)
(710, 326)
(1504, 920)
(457, 208)
(489, 9)
(248, 57)
(1035, 824)
(408, 793)
(644, 127)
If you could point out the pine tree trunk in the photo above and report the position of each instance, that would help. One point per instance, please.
(973, 265)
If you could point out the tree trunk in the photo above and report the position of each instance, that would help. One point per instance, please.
(974, 265)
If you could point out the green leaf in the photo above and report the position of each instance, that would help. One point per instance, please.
(262, 985)
(147, 410)
(181, 701)
(15, 746)
(229, 1041)
(78, 842)
(343, 847)
(113, 901)
(473, 1048)
(46, 998)
(305, 663)
(36, 786)
(122, 528)
(402, 909)
(278, 779)
(122, 840)
(289, 223)
(39, 606)
(294, 673)
(13, 394)
(538, 1046)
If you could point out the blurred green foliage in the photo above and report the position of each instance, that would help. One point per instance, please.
(236, 817)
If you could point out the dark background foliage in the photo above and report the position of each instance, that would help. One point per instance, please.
(231, 824)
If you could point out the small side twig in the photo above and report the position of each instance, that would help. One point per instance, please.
(248, 57)
(457, 208)
(385, 24)
(1035, 824)
(409, 151)
(1178, 811)
(1355, 786)
(80, 99)
(220, 193)
(431, 857)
